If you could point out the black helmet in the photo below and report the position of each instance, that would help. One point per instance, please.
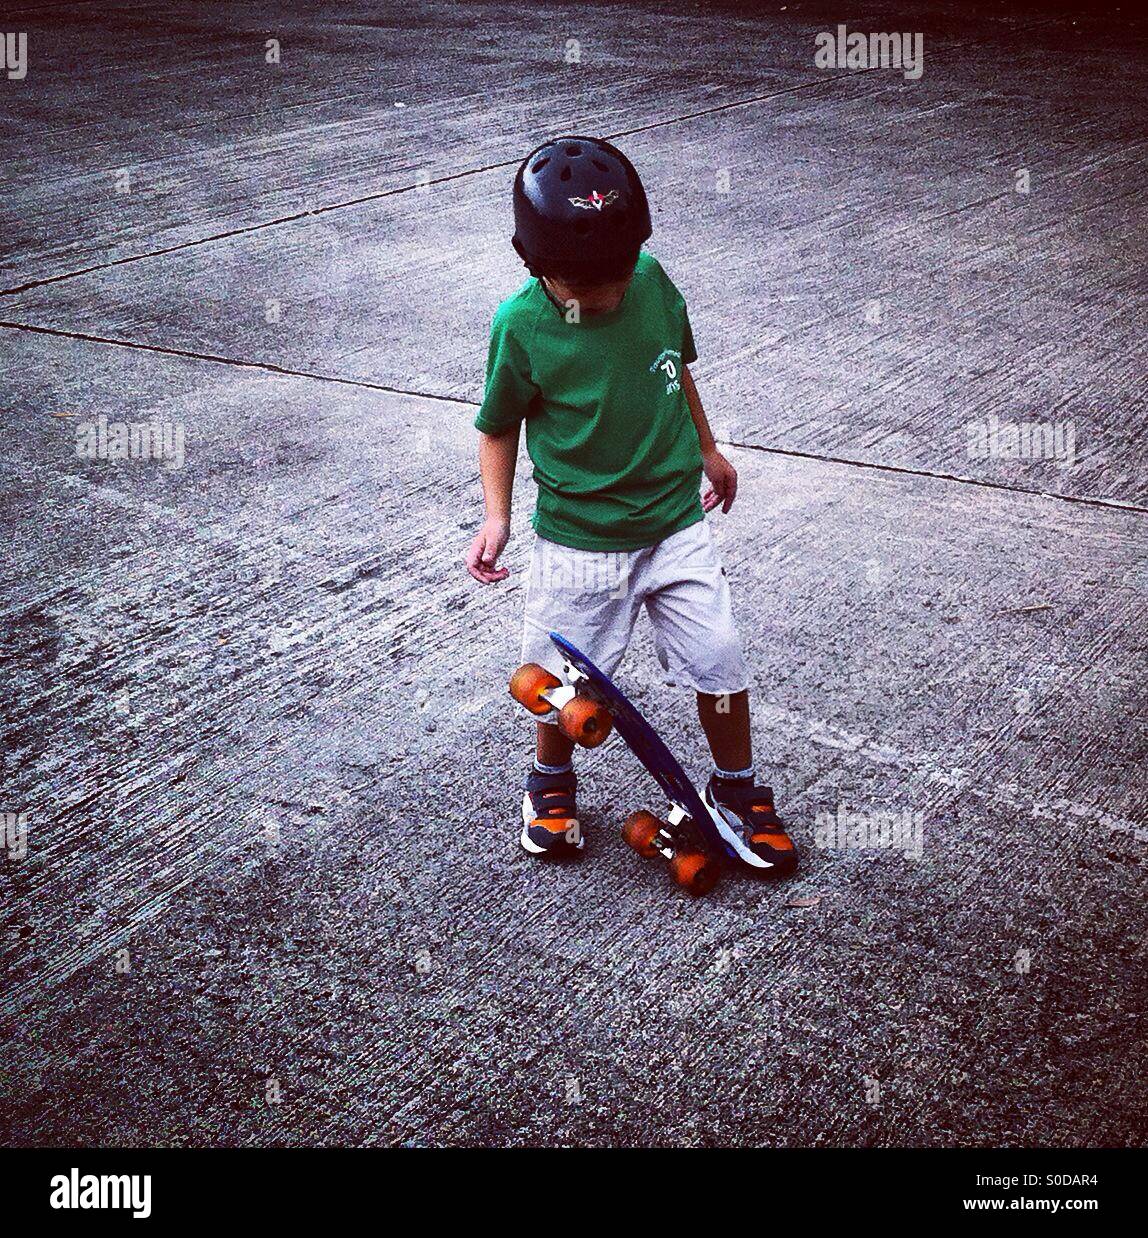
(579, 211)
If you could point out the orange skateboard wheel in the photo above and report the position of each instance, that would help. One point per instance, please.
(639, 830)
(527, 685)
(585, 721)
(694, 871)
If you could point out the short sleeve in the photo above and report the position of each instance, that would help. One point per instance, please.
(509, 389)
(689, 352)
(677, 306)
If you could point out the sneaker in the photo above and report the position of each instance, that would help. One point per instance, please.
(749, 822)
(550, 824)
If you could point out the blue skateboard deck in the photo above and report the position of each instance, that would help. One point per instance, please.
(645, 743)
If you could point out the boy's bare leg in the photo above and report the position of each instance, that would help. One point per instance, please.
(552, 747)
(740, 800)
(725, 720)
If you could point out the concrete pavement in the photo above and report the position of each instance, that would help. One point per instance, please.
(255, 716)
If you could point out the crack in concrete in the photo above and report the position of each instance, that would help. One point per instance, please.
(295, 216)
(1087, 500)
(270, 367)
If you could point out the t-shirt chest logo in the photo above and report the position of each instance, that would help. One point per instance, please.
(669, 361)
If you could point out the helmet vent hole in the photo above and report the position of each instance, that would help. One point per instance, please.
(540, 165)
(573, 151)
(599, 165)
(566, 173)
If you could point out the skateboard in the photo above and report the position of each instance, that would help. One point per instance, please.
(589, 706)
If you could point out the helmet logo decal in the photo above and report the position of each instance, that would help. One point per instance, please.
(595, 201)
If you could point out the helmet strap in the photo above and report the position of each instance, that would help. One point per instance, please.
(562, 309)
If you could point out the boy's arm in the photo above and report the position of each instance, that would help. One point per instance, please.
(507, 398)
(721, 475)
(497, 456)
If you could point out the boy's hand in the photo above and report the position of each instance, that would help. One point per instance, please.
(489, 542)
(722, 477)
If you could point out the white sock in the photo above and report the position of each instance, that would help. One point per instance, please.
(568, 768)
(739, 775)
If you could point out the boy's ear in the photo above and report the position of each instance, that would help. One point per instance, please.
(521, 253)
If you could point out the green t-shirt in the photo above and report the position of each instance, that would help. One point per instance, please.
(615, 452)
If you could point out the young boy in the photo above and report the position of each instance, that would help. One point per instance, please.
(592, 353)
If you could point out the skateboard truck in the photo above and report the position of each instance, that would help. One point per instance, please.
(690, 865)
(580, 717)
(589, 706)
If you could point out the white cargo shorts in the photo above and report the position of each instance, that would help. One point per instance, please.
(594, 597)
